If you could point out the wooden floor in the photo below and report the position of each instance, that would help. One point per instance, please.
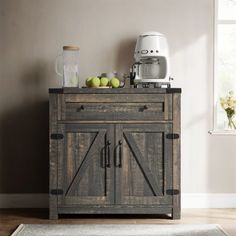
(10, 219)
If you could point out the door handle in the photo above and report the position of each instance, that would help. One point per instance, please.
(118, 156)
(108, 154)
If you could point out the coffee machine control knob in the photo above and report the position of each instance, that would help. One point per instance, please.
(144, 51)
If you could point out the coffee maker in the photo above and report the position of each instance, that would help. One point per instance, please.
(151, 67)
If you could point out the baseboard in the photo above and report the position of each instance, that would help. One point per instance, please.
(208, 200)
(188, 200)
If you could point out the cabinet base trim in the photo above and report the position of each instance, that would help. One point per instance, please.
(189, 200)
(114, 210)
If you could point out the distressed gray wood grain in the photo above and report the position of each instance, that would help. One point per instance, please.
(112, 90)
(86, 162)
(176, 213)
(142, 164)
(150, 161)
(53, 114)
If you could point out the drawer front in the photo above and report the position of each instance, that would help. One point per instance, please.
(123, 107)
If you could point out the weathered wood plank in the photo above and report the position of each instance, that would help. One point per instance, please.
(85, 162)
(117, 169)
(111, 116)
(85, 200)
(116, 107)
(139, 187)
(116, 111)
(112, 91)
(146, 127)
(154, 156)
(168, 107)
(176, 213)
(135, 209)
(61, 150)
(147, 200)
(167, 165)
(53, 213)
(142, 165)
(113, 98)
(113, 122)
(110, 178)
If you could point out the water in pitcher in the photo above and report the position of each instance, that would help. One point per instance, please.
(71, 76)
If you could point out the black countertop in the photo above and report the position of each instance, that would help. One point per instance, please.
(114, 90)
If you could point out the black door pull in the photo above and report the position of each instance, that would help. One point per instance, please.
(108, 154)
(118, 156)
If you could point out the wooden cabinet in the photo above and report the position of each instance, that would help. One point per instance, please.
(115, 151)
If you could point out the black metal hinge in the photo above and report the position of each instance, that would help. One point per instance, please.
(172, 192)
(57, 136)
(56, 191)
(172, 136)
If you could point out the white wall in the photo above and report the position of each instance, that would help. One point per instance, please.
(33, 32)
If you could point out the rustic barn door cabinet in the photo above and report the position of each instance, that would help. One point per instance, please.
(114, 151)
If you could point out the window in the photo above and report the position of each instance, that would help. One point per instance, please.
(225, 57)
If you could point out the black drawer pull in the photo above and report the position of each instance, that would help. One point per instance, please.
(142, 109)
(81, 108)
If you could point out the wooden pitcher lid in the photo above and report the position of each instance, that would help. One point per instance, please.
(72, 48)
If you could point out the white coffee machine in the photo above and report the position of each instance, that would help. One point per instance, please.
(151, 67)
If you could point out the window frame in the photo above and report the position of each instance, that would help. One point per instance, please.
(216, 22)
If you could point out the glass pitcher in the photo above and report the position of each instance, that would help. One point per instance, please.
(68, 62)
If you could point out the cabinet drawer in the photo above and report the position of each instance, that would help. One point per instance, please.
(117, 98)
(121, 108)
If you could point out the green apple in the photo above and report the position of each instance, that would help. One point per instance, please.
(104, 81)
(95, 82)
(88, 81)
(114, 82)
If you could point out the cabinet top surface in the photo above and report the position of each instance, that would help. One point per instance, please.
(114, 91)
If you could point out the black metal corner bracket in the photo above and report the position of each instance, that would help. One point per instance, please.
(56, 192)
(57, 136)
(172, 136)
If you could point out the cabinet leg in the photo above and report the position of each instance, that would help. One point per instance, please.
(53, 212)
(53, 215)
(176, 214)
